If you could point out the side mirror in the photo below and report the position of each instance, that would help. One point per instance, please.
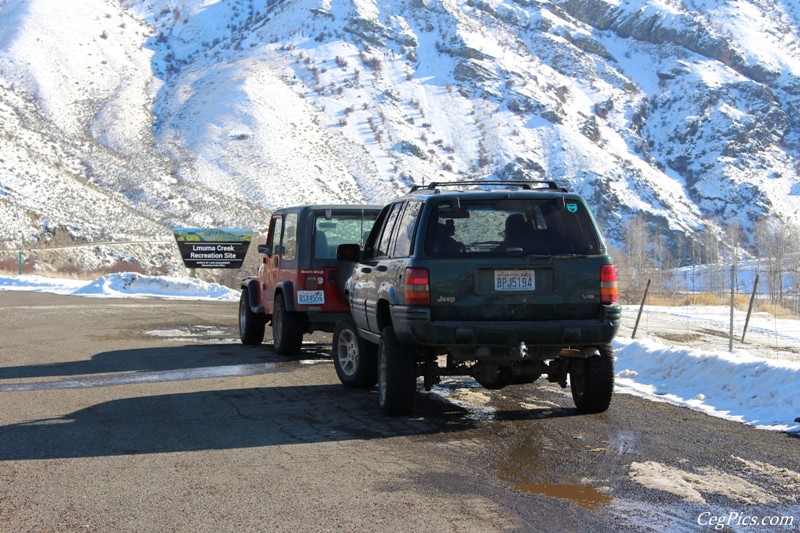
(348, 252)
(264, 249)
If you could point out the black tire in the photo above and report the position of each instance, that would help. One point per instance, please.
(251, 325)
(592, 381)
(397, 376)
(287, 329)
(355, 359)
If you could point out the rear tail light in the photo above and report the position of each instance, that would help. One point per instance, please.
(418, 287)
(608, 284)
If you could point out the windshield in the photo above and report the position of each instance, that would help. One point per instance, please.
(330, 232)
(545, 226)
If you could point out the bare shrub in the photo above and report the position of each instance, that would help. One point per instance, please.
(370, 61)
(12, 265)
(122, 266)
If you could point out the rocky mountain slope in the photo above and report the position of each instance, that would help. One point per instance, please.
(124, 119)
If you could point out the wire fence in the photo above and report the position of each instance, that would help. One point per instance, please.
(698, 309)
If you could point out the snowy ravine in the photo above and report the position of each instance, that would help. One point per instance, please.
(741, 386)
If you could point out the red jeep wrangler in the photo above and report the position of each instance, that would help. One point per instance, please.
(299, 283)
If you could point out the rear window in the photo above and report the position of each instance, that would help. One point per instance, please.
(546, 226)
(331, 230)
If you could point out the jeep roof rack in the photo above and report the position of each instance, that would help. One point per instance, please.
(522, 184)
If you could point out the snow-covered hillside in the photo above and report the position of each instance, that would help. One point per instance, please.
(123, 119)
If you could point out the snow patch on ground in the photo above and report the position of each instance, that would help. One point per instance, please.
(124, 285)
(738, 386)
(692, 486)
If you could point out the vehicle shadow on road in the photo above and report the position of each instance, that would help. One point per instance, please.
(222, 419)
(539, 413)
(162, 358)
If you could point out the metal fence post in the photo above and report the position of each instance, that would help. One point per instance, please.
(733, 305)
(639, 316)
(750, 308)
(20, 262)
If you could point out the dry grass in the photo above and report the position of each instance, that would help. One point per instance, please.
(69, 271)
(775, 309)
(741, 302)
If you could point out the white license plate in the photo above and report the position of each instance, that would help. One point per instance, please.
(514, 280)
(311, 297)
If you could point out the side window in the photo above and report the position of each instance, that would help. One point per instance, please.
(372, 239)
(274, 238)
(334, 228)
(290, 238)
(405, 232)
(383, 246)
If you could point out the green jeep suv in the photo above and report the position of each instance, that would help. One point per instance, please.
(509, 280)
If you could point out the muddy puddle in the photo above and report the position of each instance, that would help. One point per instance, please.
(522, 467)
(584, 496)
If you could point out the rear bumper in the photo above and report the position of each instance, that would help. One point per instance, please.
(330, 318)
(413, 326)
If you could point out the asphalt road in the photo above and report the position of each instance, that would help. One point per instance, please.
(148, 415)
